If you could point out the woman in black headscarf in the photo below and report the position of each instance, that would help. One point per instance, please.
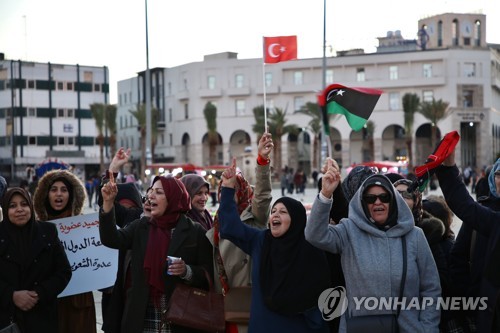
(288, 273)
(34, 268)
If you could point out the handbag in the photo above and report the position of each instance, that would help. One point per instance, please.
(196, 308)
(385, 323)
(237, 305)
(12, 328)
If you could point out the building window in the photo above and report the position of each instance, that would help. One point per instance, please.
(270, 104)
(32, 140)
(427, 70)
(298, 78)
(298, 103)
(31, 84)
(171, 139)
(394, 101)
(169, 115)
(88, 76)
(269, 79)
(31, 112)
(65, 141)
(329, 76)
(97, 87)
(69, 85)
(467, 98)
(186, 111)
(427, 95)
(393, 72)
(185, 84)
(70, 113)
(60, 113)
(469, 69)
(211, 82)
(239, 80)
(60, 85)
(360, 74)
(240, 107)
(169, 87)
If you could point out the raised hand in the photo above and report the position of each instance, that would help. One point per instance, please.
(109, 192)
(229, 175)
(331, 177)
(266, 145)
(120, 159)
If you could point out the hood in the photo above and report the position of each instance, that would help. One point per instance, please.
(194, 183)
(357, 215)
(433, 229)
(42, 192)
(491, 179)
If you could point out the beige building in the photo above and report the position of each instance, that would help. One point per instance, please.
(450, 61)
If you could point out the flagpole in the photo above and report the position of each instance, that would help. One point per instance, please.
(264, 84)
(326, 145)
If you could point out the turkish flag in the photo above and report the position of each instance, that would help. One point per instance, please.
(282, 48)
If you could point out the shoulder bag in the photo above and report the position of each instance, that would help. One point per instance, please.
(386, 323)
(12, 328)
(196, 308)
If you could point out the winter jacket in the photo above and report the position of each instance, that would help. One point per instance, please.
(372, 261)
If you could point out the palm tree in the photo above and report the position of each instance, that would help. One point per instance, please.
(110, 118)
(99, 115)
(315, 125)
(434, 111)
(276, 121)
(411, 104)
(210, 112)
(140, 115)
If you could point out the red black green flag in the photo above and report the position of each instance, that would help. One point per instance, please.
(356, 104)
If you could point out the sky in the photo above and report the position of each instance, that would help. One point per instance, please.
(112, 33)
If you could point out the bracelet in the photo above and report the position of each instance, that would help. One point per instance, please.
(262, 161)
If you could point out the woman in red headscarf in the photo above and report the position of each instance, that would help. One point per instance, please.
(168, 232)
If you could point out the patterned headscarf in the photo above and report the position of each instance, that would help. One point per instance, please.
(491, 179)
(355, 178)
(417, 209)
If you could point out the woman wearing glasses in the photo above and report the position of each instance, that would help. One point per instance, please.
(384, 255)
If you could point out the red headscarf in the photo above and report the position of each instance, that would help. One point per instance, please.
(160, 232)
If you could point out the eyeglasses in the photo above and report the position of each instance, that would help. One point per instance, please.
(406, 194)
(371, 198)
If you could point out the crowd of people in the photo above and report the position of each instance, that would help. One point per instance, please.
(367, 235)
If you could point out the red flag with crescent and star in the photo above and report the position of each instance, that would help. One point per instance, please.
(282, 48)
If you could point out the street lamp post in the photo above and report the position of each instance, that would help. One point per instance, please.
(149, 156)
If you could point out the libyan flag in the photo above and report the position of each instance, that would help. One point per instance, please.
(356, 104)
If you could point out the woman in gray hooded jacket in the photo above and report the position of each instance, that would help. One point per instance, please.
(371, 248)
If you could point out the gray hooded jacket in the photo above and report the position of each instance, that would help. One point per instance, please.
(372, 261)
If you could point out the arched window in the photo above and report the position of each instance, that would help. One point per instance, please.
(454, 33)
(440, 33)
(477, 33)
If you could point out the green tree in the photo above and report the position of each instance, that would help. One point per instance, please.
(276, 122)
(411, 104)
(140, 115)
(110, 118)
(434, 111)
(210, 112)
(98, 111)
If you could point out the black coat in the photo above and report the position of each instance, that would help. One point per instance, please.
(482, 219)
(47, 273)
(188, 242)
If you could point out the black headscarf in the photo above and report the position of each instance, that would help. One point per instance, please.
(21, 236)
(293, 273)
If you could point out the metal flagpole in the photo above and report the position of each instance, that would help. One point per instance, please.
(326, 146)
(264, 84)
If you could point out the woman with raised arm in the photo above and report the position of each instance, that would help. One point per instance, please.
(372, 243)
